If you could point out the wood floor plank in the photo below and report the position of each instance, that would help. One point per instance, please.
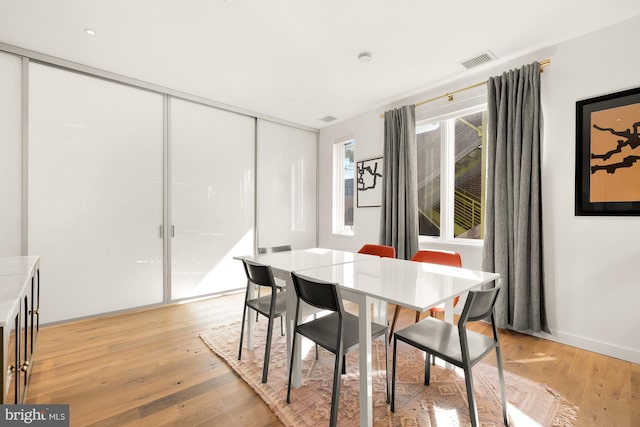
(149, 368)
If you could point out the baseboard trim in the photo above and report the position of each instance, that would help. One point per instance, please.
(600, 347)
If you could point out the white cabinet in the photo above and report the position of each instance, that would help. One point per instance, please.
(19, 324)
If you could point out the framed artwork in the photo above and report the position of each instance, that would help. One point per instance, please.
(608, 154)
(369, 182)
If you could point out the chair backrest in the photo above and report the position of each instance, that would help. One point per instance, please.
(271, 249)
(382, 251)
(259, 274)
(452, 259)
(320, 294)
(479, 305)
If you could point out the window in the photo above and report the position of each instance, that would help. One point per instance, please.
(343, 187)
(451, 169)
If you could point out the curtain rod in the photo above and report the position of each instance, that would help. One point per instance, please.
(449, 95)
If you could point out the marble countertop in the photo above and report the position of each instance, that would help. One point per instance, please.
(15, 277)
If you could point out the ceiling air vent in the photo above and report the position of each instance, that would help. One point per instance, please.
(478, 59)
(328, 119)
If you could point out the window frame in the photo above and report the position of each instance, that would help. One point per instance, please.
(447, 180)
(338, 224)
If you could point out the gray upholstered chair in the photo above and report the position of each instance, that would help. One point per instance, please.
(270, 306)
(337, 332)
(456, 345)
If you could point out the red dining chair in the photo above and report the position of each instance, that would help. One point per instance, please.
(382, 251)
(452, 259)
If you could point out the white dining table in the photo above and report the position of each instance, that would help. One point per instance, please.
(365, 279)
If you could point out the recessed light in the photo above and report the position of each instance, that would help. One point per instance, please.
(90, 32)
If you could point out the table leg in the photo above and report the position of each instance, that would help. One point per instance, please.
(291, 312)
(366, 387)
(380, 312)
(251, 316)
(448, 317)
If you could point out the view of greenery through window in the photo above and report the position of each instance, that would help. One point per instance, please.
(460, 140)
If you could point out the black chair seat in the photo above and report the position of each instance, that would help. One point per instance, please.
(442, 340)
(263, 304)
(323, 331)
(457, 345)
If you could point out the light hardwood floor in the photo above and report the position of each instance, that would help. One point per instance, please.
(149, 368)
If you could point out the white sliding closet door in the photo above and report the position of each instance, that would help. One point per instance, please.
(95, 193)
(286, 186)
(10, 155)
(212, 198)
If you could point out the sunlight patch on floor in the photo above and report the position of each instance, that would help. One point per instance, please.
(446, 417)
(538, 357)
(519, 418)
(307, 346)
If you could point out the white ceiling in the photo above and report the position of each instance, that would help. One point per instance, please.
(296, 60)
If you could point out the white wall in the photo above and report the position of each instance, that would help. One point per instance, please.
(367, 132)
(286, 186)
(591, 283)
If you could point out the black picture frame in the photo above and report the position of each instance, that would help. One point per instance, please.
(608, 154)
(369, 182)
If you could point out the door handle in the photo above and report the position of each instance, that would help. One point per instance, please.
(173, 231)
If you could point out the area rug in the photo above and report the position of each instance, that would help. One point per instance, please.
(442, 403)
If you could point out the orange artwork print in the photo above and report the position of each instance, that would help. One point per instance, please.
(615, 154)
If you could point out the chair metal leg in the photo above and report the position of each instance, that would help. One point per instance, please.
(393, 375)
(258, 297)
(502, 390)
(293, 351)
(244, 315)
(386, 364)
(471, 396)
(267, 351)
(335, 396)
(427, 369)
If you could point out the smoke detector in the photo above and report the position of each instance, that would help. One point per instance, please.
(364, 57)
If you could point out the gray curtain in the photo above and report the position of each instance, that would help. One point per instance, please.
(513, 219)
(399, 209)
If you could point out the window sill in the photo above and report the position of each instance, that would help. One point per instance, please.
(344, 234)
(426, 240)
